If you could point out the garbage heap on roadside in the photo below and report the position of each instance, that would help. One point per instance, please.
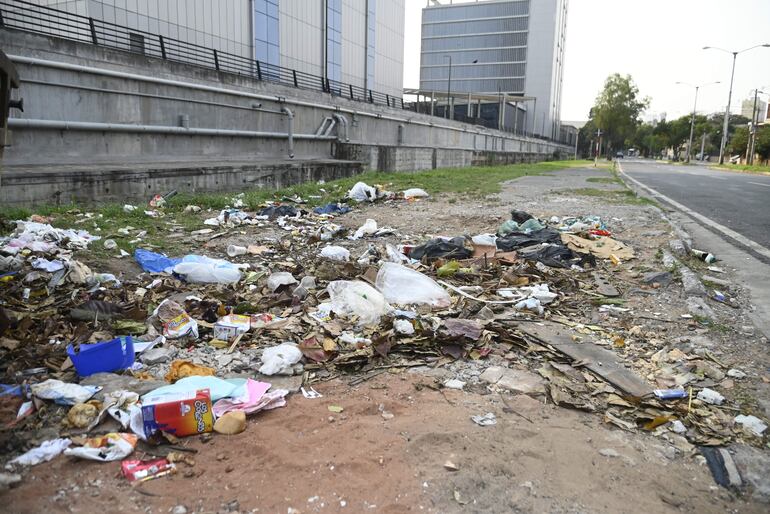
(197, 343)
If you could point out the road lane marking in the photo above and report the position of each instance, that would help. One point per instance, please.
(760, 184)
(703, 219)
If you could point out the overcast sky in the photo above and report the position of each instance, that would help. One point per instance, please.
(657, 42)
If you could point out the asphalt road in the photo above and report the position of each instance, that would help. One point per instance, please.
(738, 201)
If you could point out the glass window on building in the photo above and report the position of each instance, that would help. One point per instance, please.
(371, 23)
(266, 35)
(334, 40)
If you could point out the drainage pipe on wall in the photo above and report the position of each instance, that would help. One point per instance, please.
(289, 129)
(22, 123)
(343, 121)
(201, 87)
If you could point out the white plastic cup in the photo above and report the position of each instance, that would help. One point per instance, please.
(234, 250)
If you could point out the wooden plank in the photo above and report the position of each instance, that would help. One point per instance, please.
(597, 359)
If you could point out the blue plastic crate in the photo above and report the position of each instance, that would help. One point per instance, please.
(104, 357)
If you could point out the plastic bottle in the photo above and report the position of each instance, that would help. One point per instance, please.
(704, 256)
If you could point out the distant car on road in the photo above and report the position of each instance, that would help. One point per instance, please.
(619, 155)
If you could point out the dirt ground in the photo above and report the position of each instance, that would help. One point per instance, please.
(306, 458)
(401, 444)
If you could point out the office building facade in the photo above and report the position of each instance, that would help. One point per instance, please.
(514, 47)
(359, 42)
(747, 106)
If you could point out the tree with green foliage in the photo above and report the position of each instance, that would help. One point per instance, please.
(762, 143)
(617, 110)
(738, 142)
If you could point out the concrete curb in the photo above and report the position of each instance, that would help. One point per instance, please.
(693, 288)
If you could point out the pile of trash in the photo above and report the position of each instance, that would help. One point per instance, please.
(117, 362)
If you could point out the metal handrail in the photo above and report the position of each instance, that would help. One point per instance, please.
(21, 15)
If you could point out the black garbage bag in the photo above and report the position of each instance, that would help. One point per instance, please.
(556, 256)
(274, 212)
(516, 240)
(520, 216)
(441, 249)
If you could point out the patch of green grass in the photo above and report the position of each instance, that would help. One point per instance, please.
(625, 196)
(744, 168)
(604, 180)
(105, 220)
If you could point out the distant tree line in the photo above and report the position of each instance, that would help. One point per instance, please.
(617, 113)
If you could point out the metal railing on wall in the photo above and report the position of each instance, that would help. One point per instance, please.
(29, 17)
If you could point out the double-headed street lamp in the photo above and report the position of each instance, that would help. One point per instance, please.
(694, 107)
(730, 94)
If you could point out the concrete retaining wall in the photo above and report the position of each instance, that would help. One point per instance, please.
(128, 184)
(115, 108)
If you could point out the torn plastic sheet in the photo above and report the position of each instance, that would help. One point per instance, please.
(46, 265)
(43, 453)
(41, 237)
(254, 399)
(63, 393)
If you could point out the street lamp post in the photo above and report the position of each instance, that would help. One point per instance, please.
(694, 107)
(730, 94)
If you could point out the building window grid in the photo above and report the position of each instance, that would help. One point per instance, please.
(371, 24)
(462, 12)
(463, 57)
(482, 40)
(266, 35)
(476, 27)
(334, 40)
(474, 72)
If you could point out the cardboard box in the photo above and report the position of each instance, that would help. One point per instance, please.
(179, 414)
(228, 328)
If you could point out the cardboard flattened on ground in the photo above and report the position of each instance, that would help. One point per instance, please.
(601, 247)
(602, 362)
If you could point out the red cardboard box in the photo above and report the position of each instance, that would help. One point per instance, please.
(179, 414)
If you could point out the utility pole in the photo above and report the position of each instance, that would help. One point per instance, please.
(598, 146)
(577, 137)
(726, 124)
(753, 133)
(694, 109)
(703, 147)
(730, 95)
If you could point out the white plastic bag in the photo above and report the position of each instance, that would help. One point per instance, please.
(279, 360)
(541, 292)
(485, 240)
(362, 192)
(356, 298)
(335, 253)
(530, 304)
(198, 268)
(415, 192)
(402, 285)
(43, 453)
(63, 393)
(368, 228)
(403, 326)
(393, 255)
(280, 278)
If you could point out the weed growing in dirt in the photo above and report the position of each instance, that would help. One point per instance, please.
(626, 196)
(604, 180)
